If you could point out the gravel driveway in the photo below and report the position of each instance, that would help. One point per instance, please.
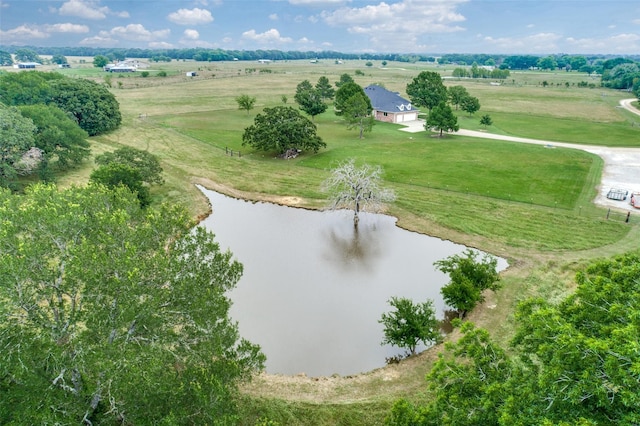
(621, 165)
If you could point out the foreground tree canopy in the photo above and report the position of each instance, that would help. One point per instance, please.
(114, 315)
(574, 363)
(282, 128)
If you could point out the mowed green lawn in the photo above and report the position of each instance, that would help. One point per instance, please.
(508, 171)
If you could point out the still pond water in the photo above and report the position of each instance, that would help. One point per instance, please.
(313, 290)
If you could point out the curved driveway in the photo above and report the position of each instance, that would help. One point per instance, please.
(621, 165)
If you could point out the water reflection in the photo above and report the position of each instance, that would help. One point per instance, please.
(313, 288)
(353, 248)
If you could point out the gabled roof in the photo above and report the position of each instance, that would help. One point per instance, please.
(386, 101)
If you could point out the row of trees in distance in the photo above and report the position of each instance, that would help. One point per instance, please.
(582, 63)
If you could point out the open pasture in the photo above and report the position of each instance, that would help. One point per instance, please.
(519, 106)
(480, 188)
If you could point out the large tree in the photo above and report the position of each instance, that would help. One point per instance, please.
(470, 104)
(410, 323)
(356, 111)
(469, 277)
(146, 163)
(282, 128)
(113, 315)
(309, 99)
(323, 86)
(58, 136)
(27, 55)
(246, 102)
(344, 93)
(16, 138)
(357, 188)
(5, 58)
(95, 108)
(427, 90)
(59, 59)
(114, 175)
(344, 78)
(100, 61)
(441, 118)
(457, 94)
(27, 88)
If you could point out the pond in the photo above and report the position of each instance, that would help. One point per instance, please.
(313, 289)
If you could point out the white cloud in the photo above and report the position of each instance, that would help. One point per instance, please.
(197, 43)
(620, 43)
(273, 16)
(227, 40)
(160, 45)
(137, 32)
(101, 40)
(398, 25)
(636, 21)
(317, 2)
(271, 36)
(194, 16)
(191, 34)
(21, 33)
(88, 9)
(536, 43)
(209, 2)
(67, 28)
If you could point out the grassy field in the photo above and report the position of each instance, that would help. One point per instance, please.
(527, 203)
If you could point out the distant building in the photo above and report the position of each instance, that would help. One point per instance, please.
(64, 66)
(128, 65)
(191, 74)
(119, 68)
(390, 106)
(26, 65)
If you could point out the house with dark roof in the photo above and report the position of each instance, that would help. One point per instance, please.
(390, 106)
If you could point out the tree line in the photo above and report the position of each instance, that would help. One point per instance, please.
(203, 54)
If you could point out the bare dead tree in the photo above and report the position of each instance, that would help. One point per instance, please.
(357, 188)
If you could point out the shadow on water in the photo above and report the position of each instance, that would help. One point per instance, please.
(314, 288)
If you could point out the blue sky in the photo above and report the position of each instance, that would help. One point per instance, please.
(391, 26)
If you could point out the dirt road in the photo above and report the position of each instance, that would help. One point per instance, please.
(621, 165)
